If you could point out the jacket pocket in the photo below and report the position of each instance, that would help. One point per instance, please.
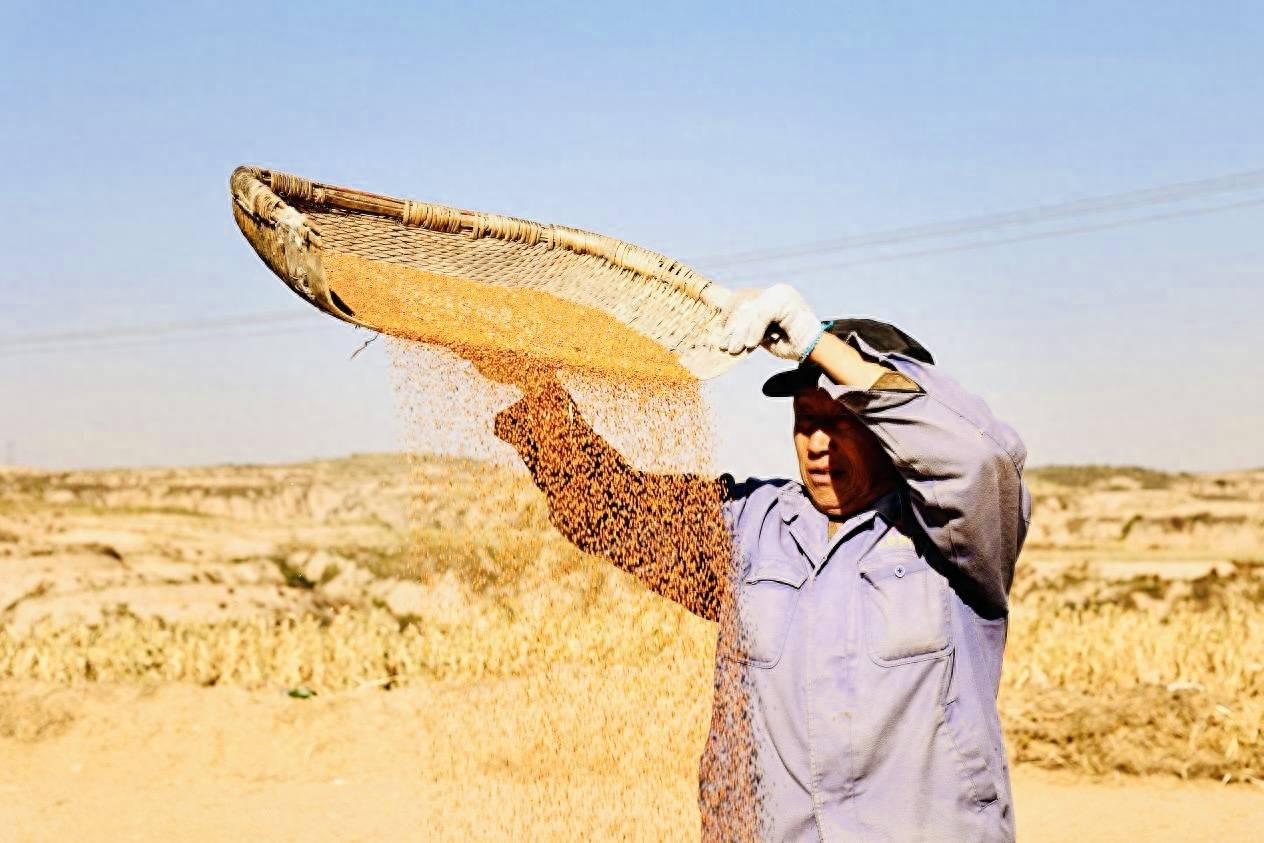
(967, 735)
(905, 609)
(766, 603)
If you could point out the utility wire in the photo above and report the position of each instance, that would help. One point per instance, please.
(266, 318)
(988, 244)
(141, 342)
(1160, 195)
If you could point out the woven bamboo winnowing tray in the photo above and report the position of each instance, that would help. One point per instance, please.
(293, 222)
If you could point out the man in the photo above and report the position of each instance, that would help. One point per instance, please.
(870, 598)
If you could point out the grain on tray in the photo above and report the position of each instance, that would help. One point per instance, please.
(600, 415)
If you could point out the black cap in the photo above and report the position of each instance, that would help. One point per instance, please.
(881, 336)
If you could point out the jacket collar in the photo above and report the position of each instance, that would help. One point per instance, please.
(807, 524)
(791, 499)
(793, 502)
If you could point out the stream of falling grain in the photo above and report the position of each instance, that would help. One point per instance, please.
(616, 436)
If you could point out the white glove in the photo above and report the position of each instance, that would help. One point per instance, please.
(753, 313)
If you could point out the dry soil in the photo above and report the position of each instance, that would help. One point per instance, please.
(179, 762)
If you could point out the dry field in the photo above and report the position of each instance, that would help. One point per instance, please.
(155, 621)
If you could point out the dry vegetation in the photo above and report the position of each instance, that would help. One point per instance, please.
(1144, 672)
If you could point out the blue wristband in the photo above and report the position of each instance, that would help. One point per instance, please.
(825, 326)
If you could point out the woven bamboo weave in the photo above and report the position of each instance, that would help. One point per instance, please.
(293, 222)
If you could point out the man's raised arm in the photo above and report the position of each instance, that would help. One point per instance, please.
(962, 465)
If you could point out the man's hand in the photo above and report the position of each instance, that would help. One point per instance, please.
(777, 318)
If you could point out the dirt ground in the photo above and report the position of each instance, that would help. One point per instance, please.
(181, 762)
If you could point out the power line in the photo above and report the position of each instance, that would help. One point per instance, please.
(988, 244)
(1160, 195)
(141, 342)
(268, 317)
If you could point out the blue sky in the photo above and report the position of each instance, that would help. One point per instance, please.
(698, 130)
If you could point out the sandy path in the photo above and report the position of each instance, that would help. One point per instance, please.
(1057, 807)
(187, 763)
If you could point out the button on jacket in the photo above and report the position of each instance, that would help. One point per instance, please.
(873, 658)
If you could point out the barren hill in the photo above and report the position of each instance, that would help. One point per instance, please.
(227, 541)
(1129, 513)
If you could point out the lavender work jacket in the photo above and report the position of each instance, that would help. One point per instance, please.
(873, 659)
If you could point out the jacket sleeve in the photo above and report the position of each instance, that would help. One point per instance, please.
(963, 467)
(668, 530)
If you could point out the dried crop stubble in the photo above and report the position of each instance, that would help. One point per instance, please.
(488, 345)
(1096, 687)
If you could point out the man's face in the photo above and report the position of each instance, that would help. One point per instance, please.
(842, 464)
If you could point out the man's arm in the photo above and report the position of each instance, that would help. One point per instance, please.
(667, 530)
(844, 364)
(963, 466)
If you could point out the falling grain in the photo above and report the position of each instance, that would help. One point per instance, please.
(614, 432)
